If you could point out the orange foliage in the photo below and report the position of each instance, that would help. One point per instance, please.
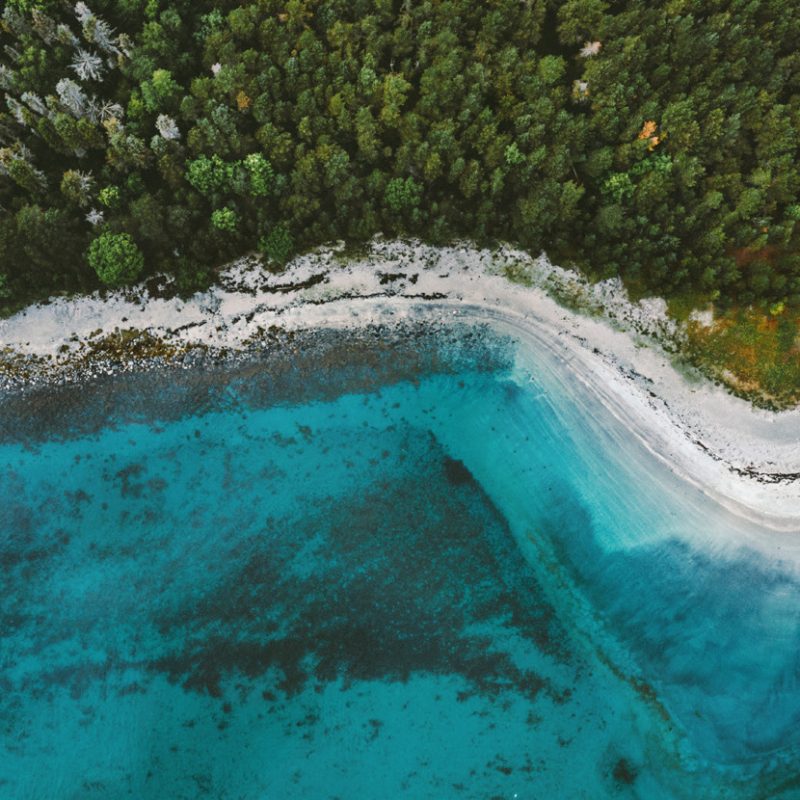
(648, 129)
(745, 255)
(243, 101)
(648, 132)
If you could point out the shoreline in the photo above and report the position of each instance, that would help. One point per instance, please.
(746, 458)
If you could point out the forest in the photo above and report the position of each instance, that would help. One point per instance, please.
(653, 140)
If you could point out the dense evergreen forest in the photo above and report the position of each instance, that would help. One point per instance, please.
(656, 140)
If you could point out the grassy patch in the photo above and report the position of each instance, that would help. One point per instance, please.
(755, 353)
(518, 272)
(680, 306)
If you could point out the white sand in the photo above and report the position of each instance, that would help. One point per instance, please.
(746, 458)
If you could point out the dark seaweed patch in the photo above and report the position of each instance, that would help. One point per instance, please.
(133, 488)
(624, 772)
(456, 472)
(24, 542)
(400, 579)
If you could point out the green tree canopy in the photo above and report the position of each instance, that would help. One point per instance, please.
(115, 258)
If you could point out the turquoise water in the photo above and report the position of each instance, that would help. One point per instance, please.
(437, 576)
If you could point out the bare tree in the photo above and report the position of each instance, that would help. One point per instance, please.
(167, 128)
(87, 66)
(71, 95)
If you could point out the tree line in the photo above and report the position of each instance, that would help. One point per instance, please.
(656, 141)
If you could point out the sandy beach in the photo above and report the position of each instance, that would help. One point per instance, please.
(748, 459)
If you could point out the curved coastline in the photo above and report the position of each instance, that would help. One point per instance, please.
(768, 499)
(744, 458)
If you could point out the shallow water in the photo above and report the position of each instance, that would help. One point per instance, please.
(451, 575)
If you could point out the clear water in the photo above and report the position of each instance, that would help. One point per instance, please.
(458, 581)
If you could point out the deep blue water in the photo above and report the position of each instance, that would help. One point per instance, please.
(434, 577)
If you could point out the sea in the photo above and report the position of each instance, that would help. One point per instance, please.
(408, 561)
